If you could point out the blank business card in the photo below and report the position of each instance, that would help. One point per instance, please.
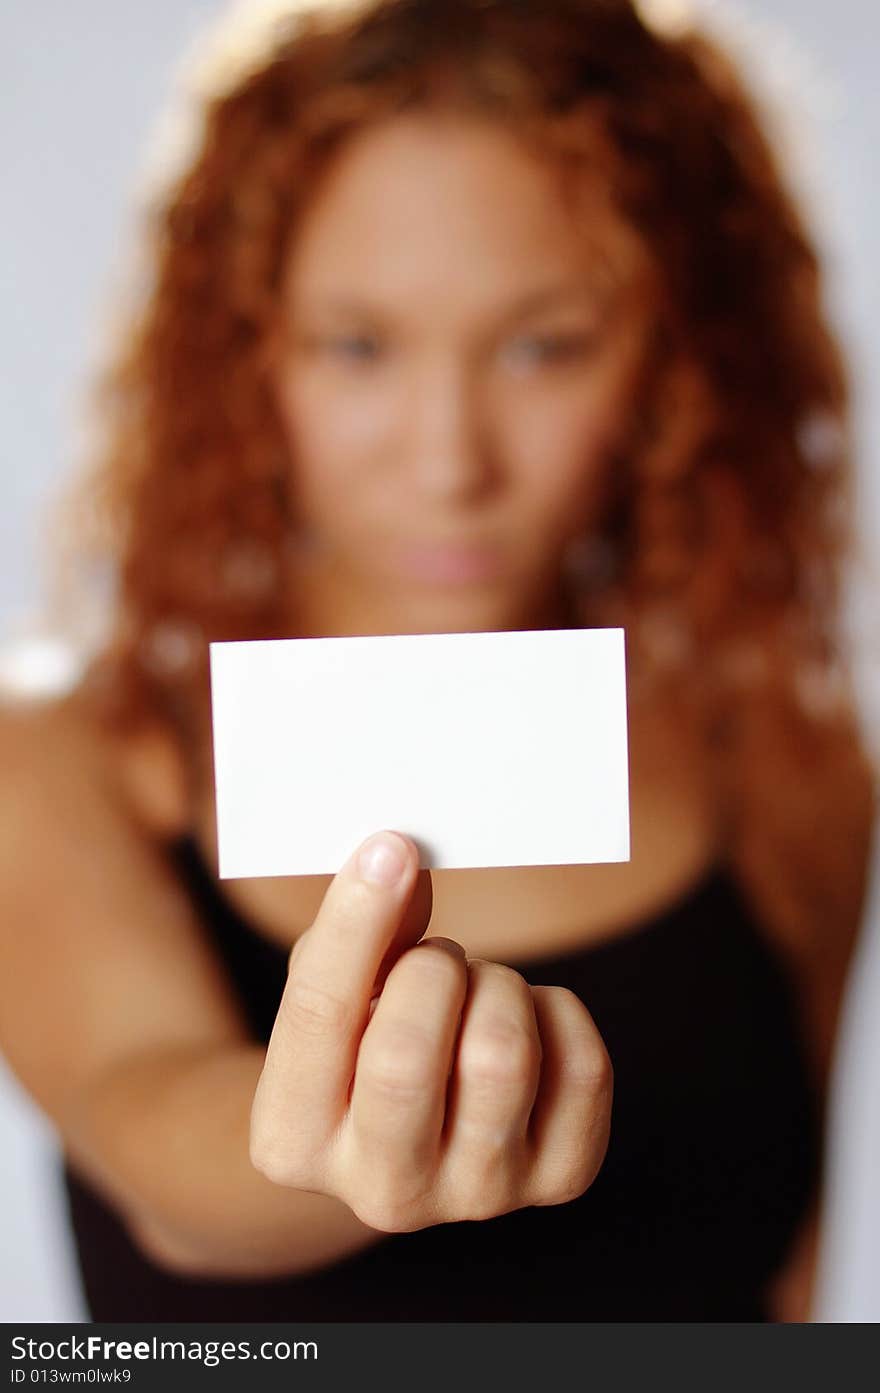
(488, 749)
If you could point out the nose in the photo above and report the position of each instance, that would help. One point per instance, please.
(447, 447)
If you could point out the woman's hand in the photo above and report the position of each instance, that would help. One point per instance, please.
(415, 1085)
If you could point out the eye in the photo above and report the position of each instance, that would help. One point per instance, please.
(359, 348)
(547, 349)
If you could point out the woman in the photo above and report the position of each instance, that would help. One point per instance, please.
(465, 316)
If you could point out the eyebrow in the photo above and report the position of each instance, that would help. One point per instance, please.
(539, 298)
(545, 296)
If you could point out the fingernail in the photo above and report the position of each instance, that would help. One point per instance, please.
(382, 859)
(449, 945)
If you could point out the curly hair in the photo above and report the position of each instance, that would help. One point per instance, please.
(728, 513)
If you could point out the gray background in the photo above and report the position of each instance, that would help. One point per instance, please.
(80, 87)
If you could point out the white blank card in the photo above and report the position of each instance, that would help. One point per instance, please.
(488, 749)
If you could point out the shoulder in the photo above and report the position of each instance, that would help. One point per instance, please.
(102, 955)
(57, 749)
(47, 741)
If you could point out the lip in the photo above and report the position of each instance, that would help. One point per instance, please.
(448, 564)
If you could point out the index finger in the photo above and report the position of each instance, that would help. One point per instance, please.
(312, 1051)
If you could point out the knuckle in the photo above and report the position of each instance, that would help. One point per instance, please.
(487, 1197)
(586, 1062)
(398, 1062)
(499, 1053)
(478, 1209)
(571, 1183)
(566, 1178)
(313, 1010)
(383, 1220)
(386, 1212)
(569, 1000)
(502, 973)
(557, 1194)
(589, 1068)
(433, 966)
(273, 1161)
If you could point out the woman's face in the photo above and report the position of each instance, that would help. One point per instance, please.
(458, 352)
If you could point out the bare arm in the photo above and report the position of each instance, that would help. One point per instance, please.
(171, 1130)
(117, 1019)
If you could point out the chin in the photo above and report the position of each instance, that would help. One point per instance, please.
(457, 610)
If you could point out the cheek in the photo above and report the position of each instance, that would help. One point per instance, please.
(335, 440)
(560, 434)
(557, 449)
(345, 424)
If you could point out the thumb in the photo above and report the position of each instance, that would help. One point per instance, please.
(414, 922)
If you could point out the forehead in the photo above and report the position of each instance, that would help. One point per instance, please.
(423, 200)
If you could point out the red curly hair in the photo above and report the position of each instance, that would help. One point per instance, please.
(728, 511)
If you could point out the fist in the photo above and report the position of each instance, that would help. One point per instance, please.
(413, 1083)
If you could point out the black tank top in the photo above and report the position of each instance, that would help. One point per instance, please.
(713, 1156)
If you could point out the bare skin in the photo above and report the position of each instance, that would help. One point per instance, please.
(437, 410)
(143, 1086)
